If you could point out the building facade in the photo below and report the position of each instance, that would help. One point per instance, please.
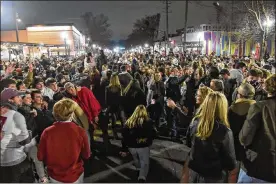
(208, 38)
(63, 39)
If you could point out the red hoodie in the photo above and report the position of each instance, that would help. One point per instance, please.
(89, 104)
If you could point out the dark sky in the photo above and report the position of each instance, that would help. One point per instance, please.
(122, 14)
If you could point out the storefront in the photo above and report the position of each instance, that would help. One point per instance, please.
(66, 39)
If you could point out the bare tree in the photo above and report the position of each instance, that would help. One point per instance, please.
(144, 30)
(97, 28)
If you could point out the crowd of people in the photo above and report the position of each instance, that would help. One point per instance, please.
(222, 108)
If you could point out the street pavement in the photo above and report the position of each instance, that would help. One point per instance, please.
(166, 162)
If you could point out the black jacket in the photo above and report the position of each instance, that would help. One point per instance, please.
(236, 116)
(25, 110)
(212, 156)
(258, 135)
(43, 120)
(133, 98)
(125, 79)
(173, 87)
(113, 99)
(139, 136)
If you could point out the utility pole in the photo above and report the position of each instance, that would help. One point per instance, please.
(16, 20)
(167, 3)
(185, 26)
(231, 23)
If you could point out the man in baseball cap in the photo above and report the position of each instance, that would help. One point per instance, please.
(11, 97)
(14, 163)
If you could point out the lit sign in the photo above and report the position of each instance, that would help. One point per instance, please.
(49, 28)
(193, 44)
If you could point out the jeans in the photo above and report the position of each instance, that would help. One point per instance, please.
(20, 173)
(244, 178)
(141, 160)
(79, 180)
(39, 166)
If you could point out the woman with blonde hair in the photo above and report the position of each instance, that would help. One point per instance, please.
(211, 142)
(64, 145)
(113, 97)
(138, 134)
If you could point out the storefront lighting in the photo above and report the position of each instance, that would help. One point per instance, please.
(64, 35)
(49, 28)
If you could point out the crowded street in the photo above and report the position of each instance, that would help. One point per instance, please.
(140, 102)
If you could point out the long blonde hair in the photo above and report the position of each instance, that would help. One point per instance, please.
(114, 83)
(139, 116)
(213, 108)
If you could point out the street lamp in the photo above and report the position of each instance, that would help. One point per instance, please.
(146, 45)
(267, 23)
(65, 36)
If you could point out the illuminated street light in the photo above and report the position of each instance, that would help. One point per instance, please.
(268, 23)
(146, 45)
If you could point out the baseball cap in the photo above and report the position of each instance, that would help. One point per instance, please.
(9, 93)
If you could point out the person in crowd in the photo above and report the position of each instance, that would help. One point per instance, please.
(238, 72)
(237, 114)
(141, 81)
(113, 96)
(217, 85)
(14, 165)
(156, 87)
(138, 134)
(30, 113)
(124, 77)
(173, 92)
(105, 81)
(44, 116)
(87, 101)
(211, 141)
(52, 87)
(20, 86)
(101, 60)
(258, 138)
(212, 73)
(8, 83)
(63, 164)
(132, 97)
(229, 84)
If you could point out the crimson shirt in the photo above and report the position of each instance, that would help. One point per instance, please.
(62, 147)
(88, 102)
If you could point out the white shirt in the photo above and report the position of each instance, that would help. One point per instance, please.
(14, 131)
(48, 92)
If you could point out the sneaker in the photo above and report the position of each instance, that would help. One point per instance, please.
(44, 180)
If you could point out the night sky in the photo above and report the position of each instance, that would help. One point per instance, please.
(122, 14)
